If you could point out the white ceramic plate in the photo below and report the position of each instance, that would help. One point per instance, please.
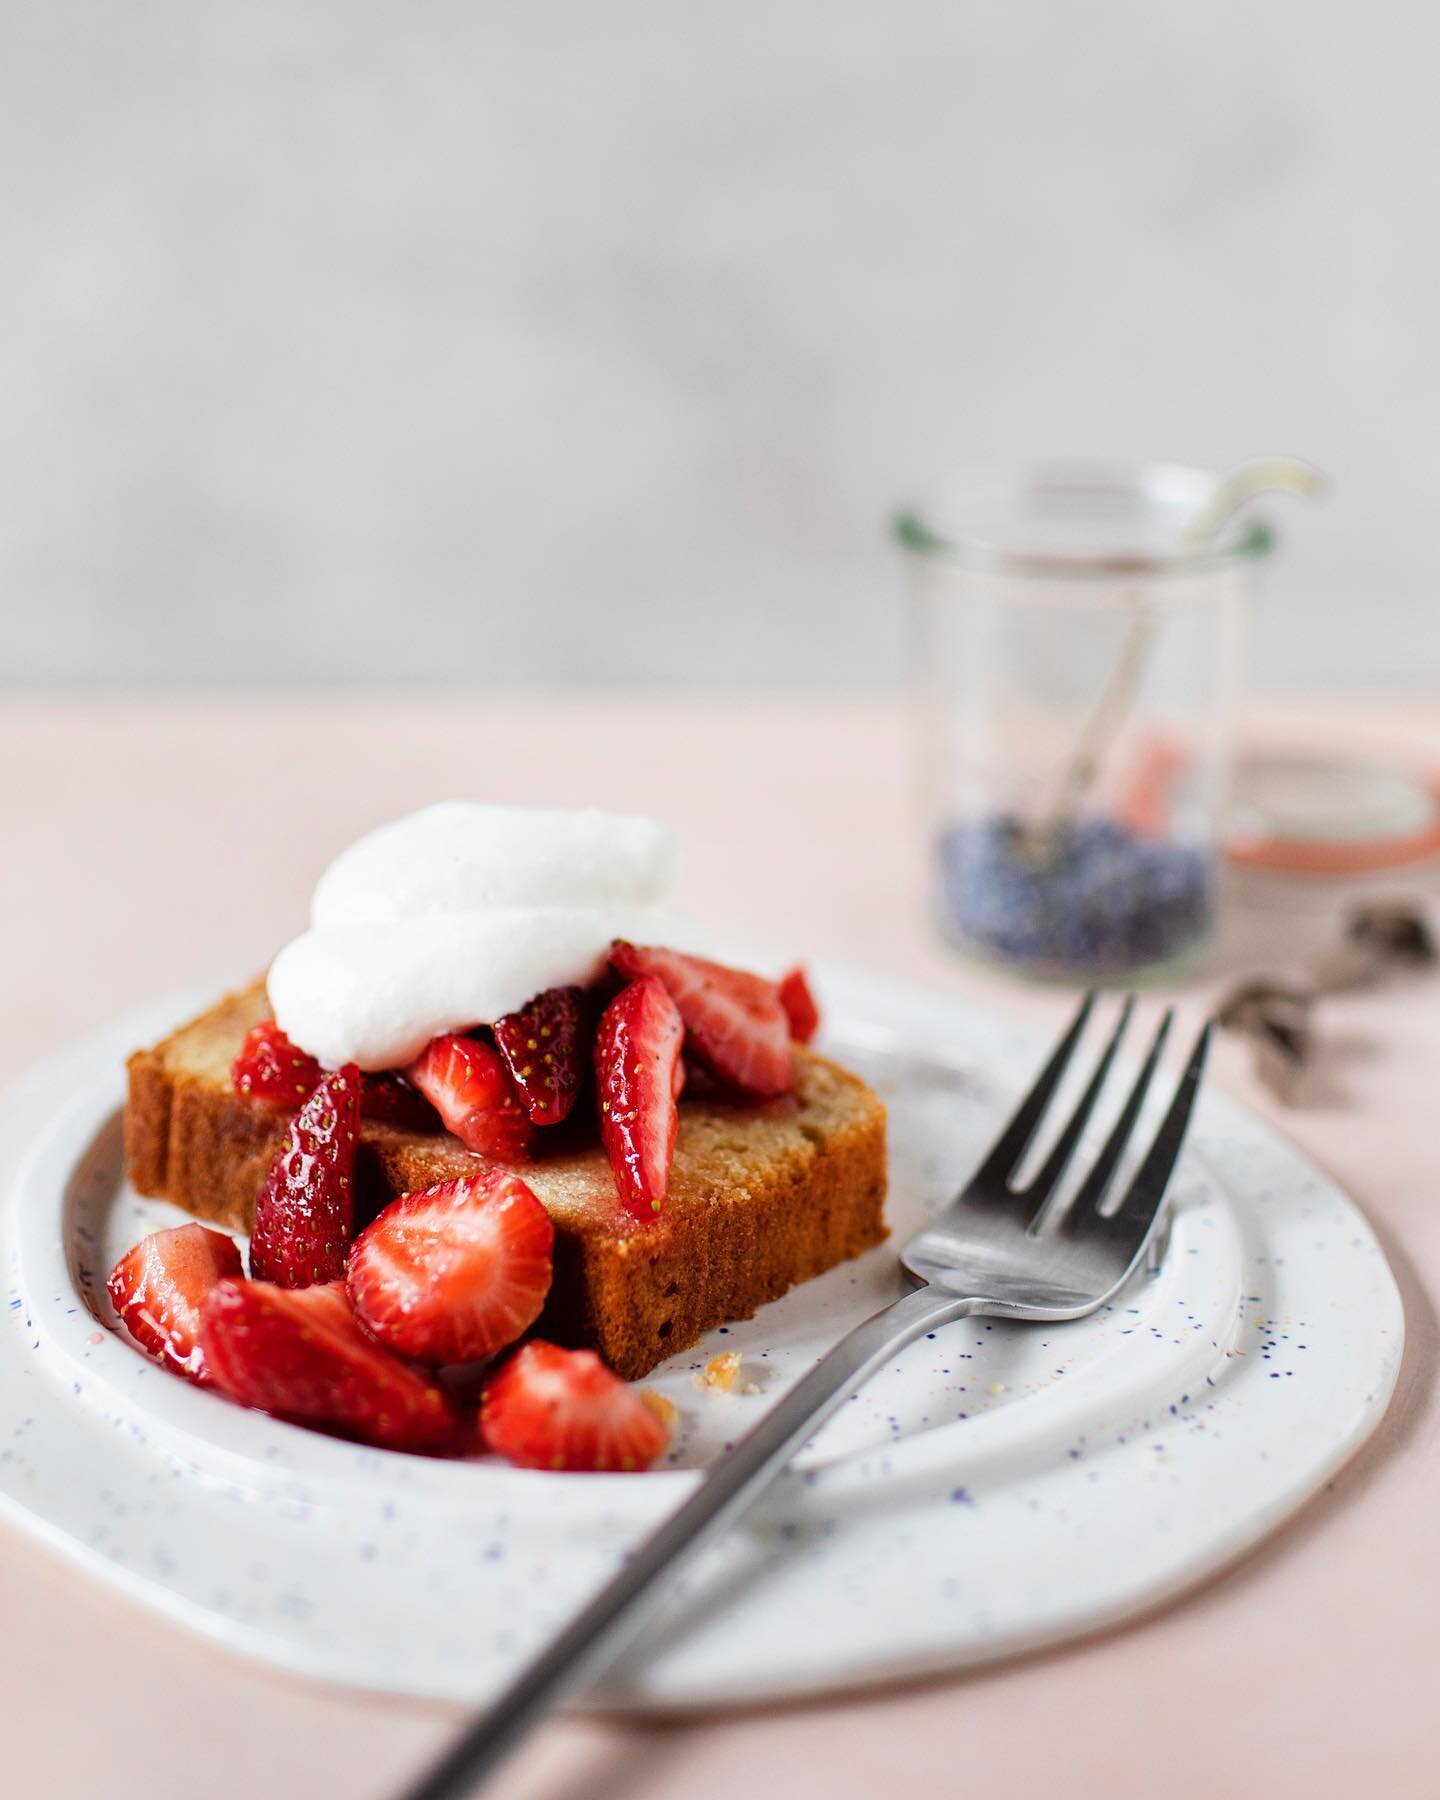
(999, 1487)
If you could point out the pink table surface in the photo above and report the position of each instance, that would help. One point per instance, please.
(156, 843)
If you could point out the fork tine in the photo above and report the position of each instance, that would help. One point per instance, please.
(1097, 1183)
(1039, 1190)
(1140, 1207)
(1015, 1139)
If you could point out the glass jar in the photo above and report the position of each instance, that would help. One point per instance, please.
(1079, 670)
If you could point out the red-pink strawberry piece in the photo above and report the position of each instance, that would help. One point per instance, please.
(455, 1272)
(305, 1214)
(158, 1288)
(545, 1048)
(563, 1409)
(639, 1074)
(799, 1004)
(269, 1067)
(470, 1087)
(301, 1354)
(734, 1022)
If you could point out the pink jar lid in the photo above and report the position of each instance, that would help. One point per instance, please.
(1305, 813)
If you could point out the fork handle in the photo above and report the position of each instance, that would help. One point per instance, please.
(618, 1612)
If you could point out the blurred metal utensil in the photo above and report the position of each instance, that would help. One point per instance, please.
(1277, 1013)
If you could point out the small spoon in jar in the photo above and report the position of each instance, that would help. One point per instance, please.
(1081, 769)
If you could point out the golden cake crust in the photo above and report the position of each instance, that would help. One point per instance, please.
(761, 1196)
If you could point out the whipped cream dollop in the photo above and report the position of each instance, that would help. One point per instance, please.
(458, 914)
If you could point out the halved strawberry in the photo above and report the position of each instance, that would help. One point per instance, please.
(269, 1067)
(563, 1409)
(544, 1047)
(469, 1086)
(157, 1289)
(302, 1355)
(800, 1007)
(639, 1075)
(305, 1214)
(455, 1272)
(734, 1022)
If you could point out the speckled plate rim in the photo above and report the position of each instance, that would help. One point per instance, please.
(729, 1661)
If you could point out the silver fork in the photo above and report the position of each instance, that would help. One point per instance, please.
(995, 1249)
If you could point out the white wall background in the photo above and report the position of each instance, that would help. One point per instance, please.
(592, 342)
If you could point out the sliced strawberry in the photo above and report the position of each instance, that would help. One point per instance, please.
(563, 1409)
(800, 1007)
(639, 1074)
(544, 1046)
(734, 1022)
(157, 1289)
(455, 1272)
(305, 1214)
(468, 1085)
(302, 1355)
(269, 1067)
(389, 1099)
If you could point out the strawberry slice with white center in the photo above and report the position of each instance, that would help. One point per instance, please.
(455, 1272)
(301, 1354)
(305, 1214)
(639, 1075)
(734, 1022)
(469, 1086)
(799, 1004)
(158, 1287)
(563, 1409)
(544, 1047)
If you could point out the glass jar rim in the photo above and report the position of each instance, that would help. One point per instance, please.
(1174, 485)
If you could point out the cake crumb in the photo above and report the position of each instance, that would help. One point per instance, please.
(663, 1407)
(722, 1371)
